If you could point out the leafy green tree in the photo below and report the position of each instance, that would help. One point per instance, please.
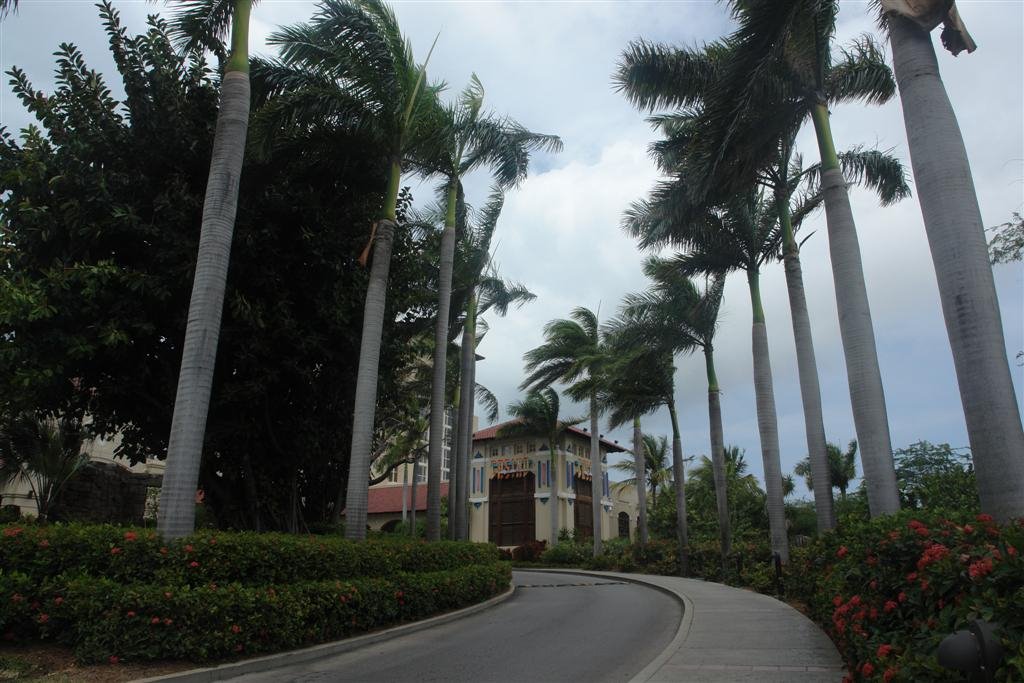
(575, 353)
(538, 413)
(842, 467)
(936, 476)
(43, 452)
(97, 254)
(351, 65)
(657, 465)
(956, 237)
(1007, 243)
(747, 512)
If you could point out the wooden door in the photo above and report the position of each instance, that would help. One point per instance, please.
(584, 508)
(512, 509)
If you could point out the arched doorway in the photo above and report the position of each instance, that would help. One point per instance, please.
(583, 516)
(624, 525)
(511, 506)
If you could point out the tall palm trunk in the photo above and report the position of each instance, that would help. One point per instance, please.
(466, 395)
(437, 392)
(202, 332)
(405, 494)
(369, 360)
(718, 452)
(415, 480)
(640, 471)
(956, 237)
(807, 368)
(767, 422)
(596, 478)
(679, 474)
(554, 493)
(455, 479)
(866, 393)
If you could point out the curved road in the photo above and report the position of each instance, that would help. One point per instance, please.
(557, 627)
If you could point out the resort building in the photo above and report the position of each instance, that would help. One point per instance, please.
(511, 495)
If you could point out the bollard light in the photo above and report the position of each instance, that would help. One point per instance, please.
(975, 651)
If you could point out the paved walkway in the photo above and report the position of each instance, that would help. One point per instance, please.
(731, 634)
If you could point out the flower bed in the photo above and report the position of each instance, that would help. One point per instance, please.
(108, 620)
(117, 594)
(890, 590)
(138, 555)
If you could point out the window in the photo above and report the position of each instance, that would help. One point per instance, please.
(446, 464)
(519, 448)
(531, 447)
(394, 476)
(494, 452)
(421, 474)
(506, 450)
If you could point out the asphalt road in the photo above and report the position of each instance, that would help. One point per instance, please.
(552, 629)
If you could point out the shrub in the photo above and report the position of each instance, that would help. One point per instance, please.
(137, 555)
(887, 591)
(567, 553)
(103, 618)
(529, 552)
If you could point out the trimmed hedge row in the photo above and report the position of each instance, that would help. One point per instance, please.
(138, 556)
(889, 590)
(105, 620)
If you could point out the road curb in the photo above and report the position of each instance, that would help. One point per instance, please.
(258, 664)
(682, 633)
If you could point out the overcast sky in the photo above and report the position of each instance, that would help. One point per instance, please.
(548, 64)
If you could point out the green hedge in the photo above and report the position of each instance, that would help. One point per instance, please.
(888, 591)
(138, 556)
(107, 620)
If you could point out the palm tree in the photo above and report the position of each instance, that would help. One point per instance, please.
(842, 467)
(7, 6)
(204, 23)
(575, 353)
(752, 90)
(351, 65)
(952, 221)
(746, 498)
(676, 315)
(45, 453)
(538, 414)
(658, 470)
(474, 140)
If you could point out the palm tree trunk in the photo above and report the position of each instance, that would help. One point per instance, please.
(369, 361)
(438, 405)
(466, 395)
(639, 469)
(679, 474)
(415, 480)
(405, 493)
(596, 478)
(554, 494)
(956, 237)
(807, 367)
(866, 393)
(202, 332)
(455, 479)
(767, 423)
(718, 452)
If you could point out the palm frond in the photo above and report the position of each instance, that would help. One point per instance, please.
(654, 75)
(861, 74)
(489, 401)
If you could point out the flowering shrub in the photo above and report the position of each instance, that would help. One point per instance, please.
(138, 555)
(888, 591)
(105, 619)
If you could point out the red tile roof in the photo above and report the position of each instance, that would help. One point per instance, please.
(389, 498)
(492, 433)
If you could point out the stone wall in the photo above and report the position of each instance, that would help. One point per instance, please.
(105, 492)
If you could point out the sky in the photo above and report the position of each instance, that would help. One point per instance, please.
(548, 65)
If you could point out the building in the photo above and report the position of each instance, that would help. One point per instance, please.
(510, 492)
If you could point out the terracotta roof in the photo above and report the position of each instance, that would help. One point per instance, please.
(492, 433)
(389, 498)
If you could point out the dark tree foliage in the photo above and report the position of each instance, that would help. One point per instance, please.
(99, 226)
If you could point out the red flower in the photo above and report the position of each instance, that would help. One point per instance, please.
(841, 553)
(968, 529)
(889, 674)
(867, 669)
(235, 628)
(871, 560)
(883, 651)
(168, 622)
(43, 618)
(873, 584)
(912, 576)
(924, 584)
(238, 648)
(980, 568)
(873, 614)
(155, 620)
(130, 536)
(902, 597)
(855, 600)
(130, 615)
(58, 600)
(1011, 551)
(115, 550)
(922, 531)
(894, 535)
(45, 543)
(114, 659)
(188, 548)
(12, 531)
(167, 595)
(984, 517)
(193, 564)
(163, 551)
(838, 600)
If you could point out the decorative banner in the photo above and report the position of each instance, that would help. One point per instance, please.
(502, 466)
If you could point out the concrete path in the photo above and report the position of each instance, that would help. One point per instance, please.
(731, 634)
